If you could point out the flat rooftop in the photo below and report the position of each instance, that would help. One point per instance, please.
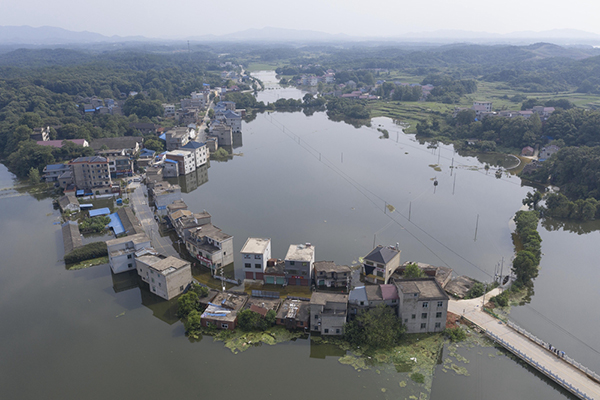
(294, 309)
(300, 252)
(427, 289)
(330, 266)
(255, 245)
(135, 239)
(323, 298)
(169, 264)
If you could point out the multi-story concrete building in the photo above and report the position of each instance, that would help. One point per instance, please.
(164, 194)
(185, 222)
(294, 313)
(299, 263)
(122, 251)
(186, 162)
(222, 132)
(53, 171)
(380, 264)
(91, 173)
(199, 150)
(328, 313)
(167, 276)
(177, 137)
(120, 166)
(255, 254)
(329, 274)
(211, 246)
(423, 305)
(231, 119)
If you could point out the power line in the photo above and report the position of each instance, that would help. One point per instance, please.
(362, 189)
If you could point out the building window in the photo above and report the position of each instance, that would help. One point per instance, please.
(181, 288)
(362, 303)
(440, 304)
(316, 316)
(425, 304)
(129, 265)
(326, 330)
(154, 288)
(257, 256)
(129, 256)
(257, 266)
(246, 255)
(438, 315)
(224, 326)
(406, 320)
(423, 326)
(438, 325)
(292, 262)
(337, 331)
(152, 280)
(159, 284)
(248, 265)
(304, 264)
(393, 300)
(414, 316)
(424, 315)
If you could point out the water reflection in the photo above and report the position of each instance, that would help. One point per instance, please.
(324, 350)
(165, 310)
(580, 228)
(193, 180)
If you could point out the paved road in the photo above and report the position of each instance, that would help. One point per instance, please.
(471, 310)
(139, 202)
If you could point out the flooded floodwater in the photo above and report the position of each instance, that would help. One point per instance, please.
(87, 334)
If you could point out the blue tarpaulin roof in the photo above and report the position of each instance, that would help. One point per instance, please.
(86, 206)
(79, 193)
(163, 136)
(116, 224)
(99, 211)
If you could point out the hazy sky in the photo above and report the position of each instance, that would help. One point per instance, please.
(181, 18)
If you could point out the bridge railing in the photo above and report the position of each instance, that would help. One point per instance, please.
(545, 345)
(539, 367)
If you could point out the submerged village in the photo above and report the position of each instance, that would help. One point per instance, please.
(421, 303)
(146, 216)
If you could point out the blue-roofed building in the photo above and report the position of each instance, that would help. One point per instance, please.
(53, 171)
(116, 224)
(99, 211)
(199, 150)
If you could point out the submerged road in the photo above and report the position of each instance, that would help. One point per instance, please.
(540, 357)
(139, 203)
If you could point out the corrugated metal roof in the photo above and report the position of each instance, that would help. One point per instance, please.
(99, 211)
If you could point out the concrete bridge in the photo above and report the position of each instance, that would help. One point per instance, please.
(563, 370)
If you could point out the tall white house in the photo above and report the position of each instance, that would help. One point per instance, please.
(121, 251)
(255, 254)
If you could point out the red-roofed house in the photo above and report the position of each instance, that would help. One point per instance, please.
(59, 143)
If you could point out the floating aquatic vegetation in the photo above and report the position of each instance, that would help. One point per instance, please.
(436, 167)
(238, 341)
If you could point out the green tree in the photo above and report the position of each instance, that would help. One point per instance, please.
(201, 291)
(531, 200)
(154, 144)
(193, 321)
(34, 176)
(525, 267)
(187, 303)
(412, 270)
(248, 320)
(377, 327)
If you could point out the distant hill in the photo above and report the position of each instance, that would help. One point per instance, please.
(48, 35)
(270, 34)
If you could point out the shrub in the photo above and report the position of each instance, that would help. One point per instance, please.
(455, 334)
(87, 252)
(418, 377)
(501, 300)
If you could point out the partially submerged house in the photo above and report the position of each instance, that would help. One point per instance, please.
(328, 313)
